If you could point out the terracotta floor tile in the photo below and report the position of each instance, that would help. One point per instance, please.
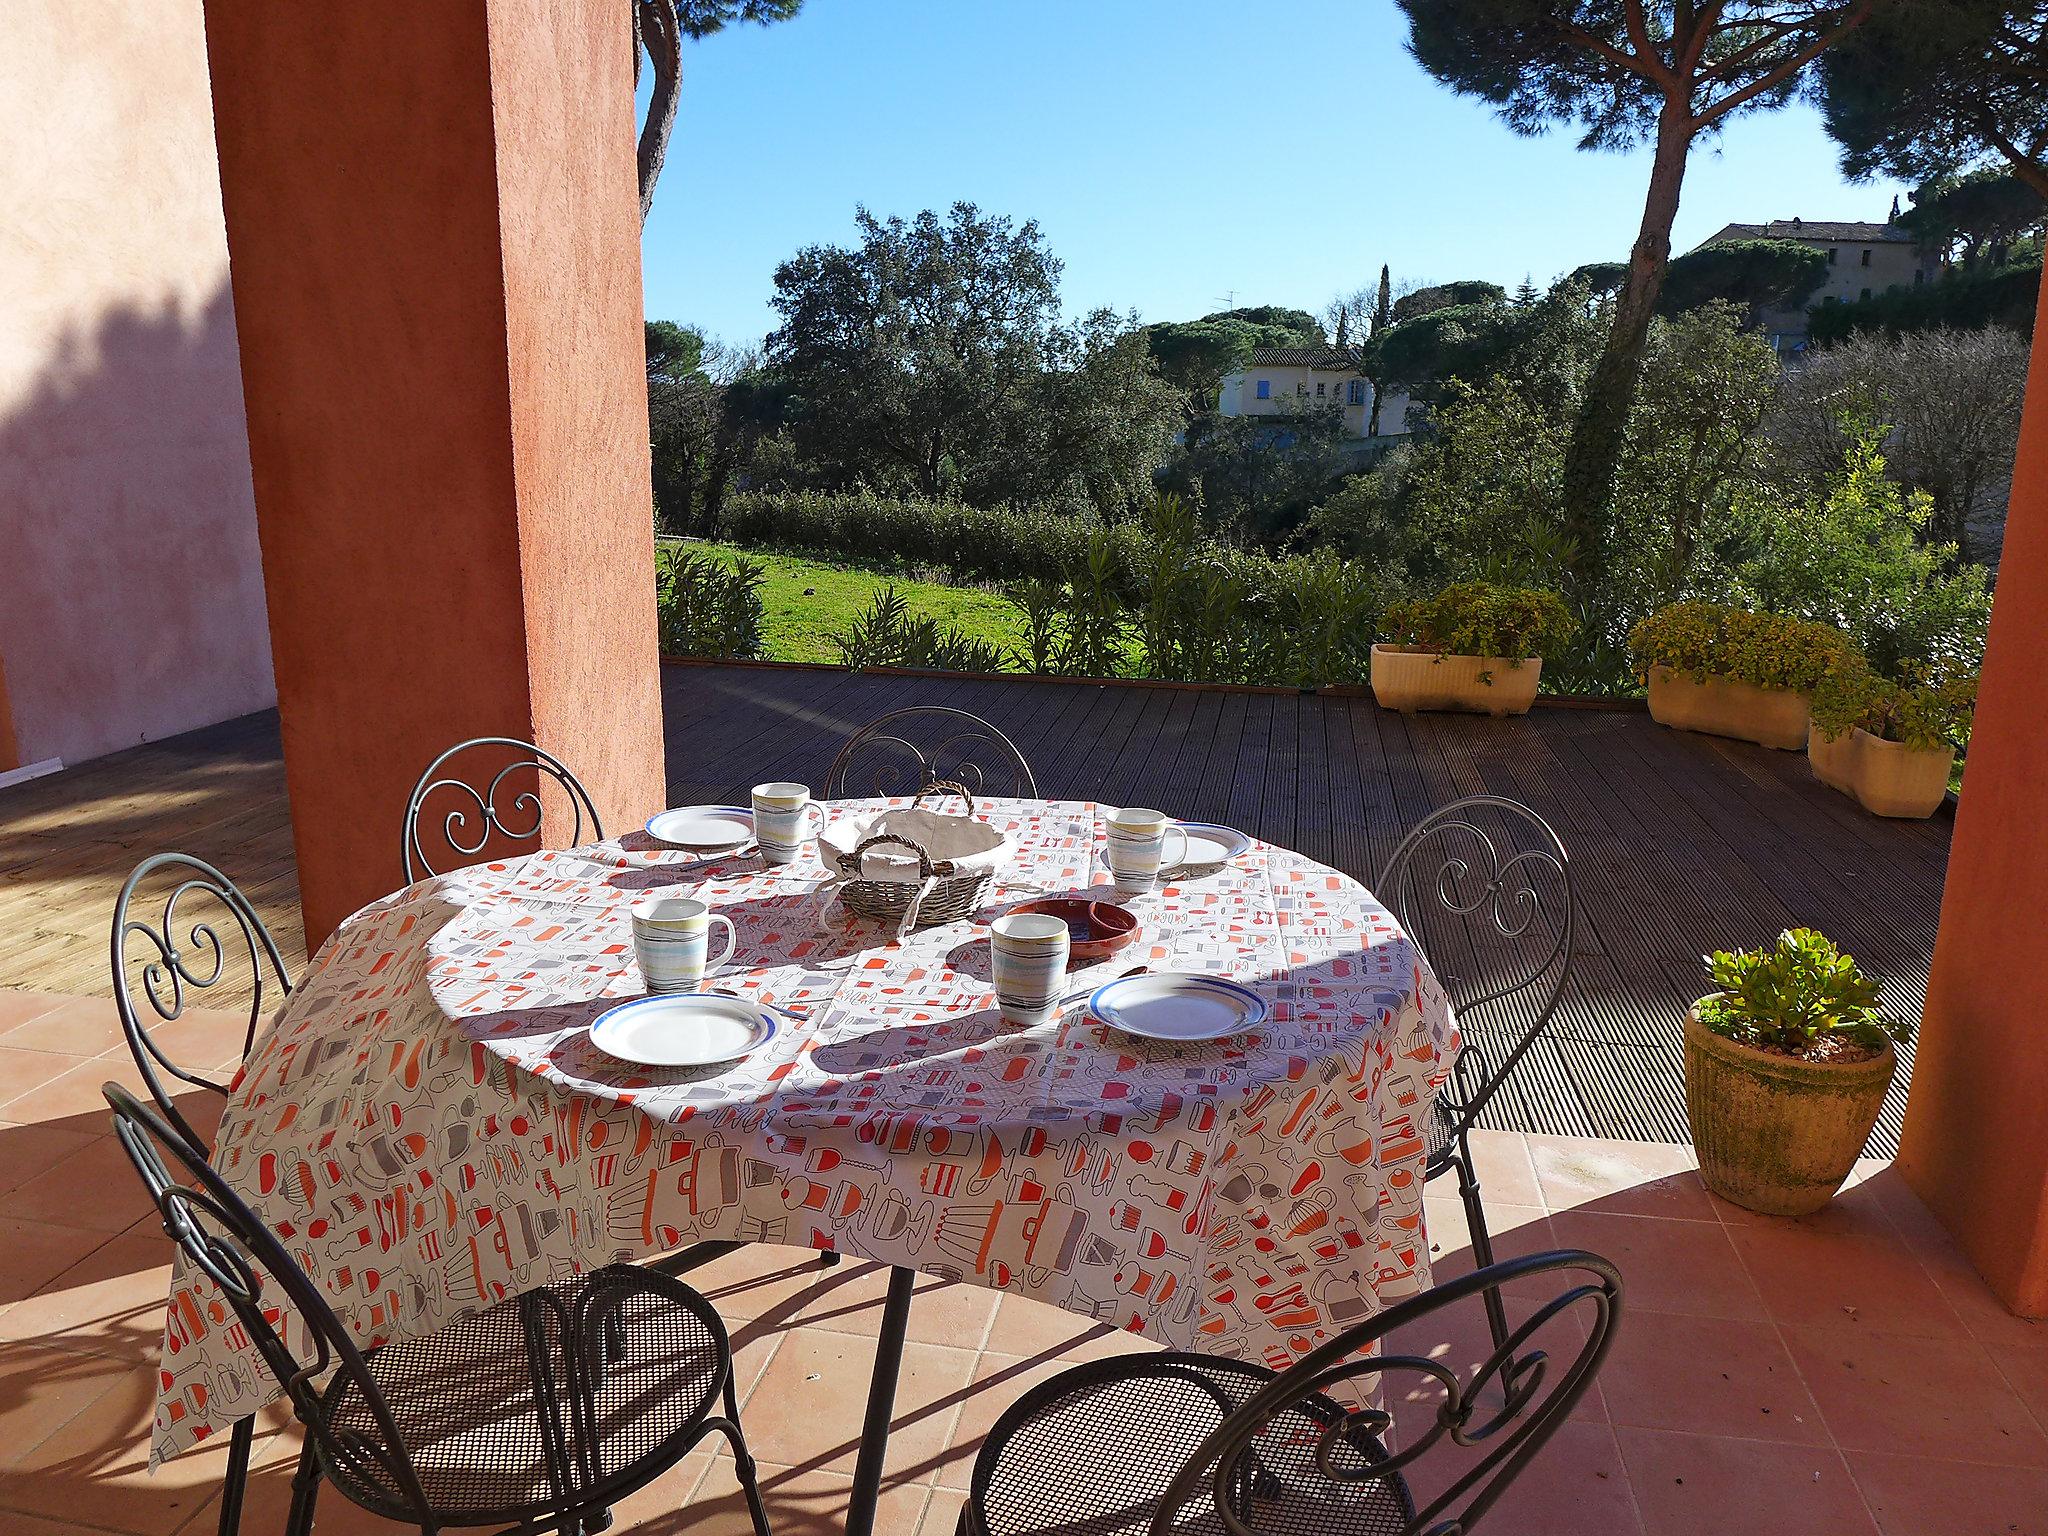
(1934, 1397)
(1574, 1486)
(1459, 1338)
(77, 1026)
(1035, 1329)
(1858, 1210)
(1914, 1497)
(808, 1408)
(111, 1302)
(27, 1150)
(801, 1501)
(1816, 1278)
(33, 1253)
(999, 1380)
(17, 1007)
(1703, 1485)
(1501, 1159)
(2025, 1368)
(1983, 1315)
(1687, 1267)
(940, 1312)
(45, 1389)
(1622, 1178)
(95, 1188)
(74, 1095)
(22, 1072)
(1714, 1376)
(1517, 1230)
(942, 1514)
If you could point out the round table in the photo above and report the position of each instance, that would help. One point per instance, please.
(429, 1121)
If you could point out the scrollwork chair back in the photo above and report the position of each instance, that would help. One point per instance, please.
(1484, 887)
(469, 823)
(908, 749)
(205, 936)
(1481, 1425)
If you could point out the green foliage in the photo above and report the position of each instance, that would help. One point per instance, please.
(1770, 650)
(683, 412)
(887, 634)
(1479, 618)
(704, 607)
(1928, 711)
(1963, 300)
(1853, 556)
(1753, 275)
(1259, 476)
(1193, 355)
(930, 358)
(1465, 292)
(1975, 218)
(1466, 342)
(1795, 998)
(1931, 88)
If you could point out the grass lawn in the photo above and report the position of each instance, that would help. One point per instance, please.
(796, 627)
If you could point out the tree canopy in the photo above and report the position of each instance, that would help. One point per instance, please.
(1625, 72)
(1753, 275)
(1976, 217)
(1931, 89)
(1421, 301)
(1193, 355)
(931, 357)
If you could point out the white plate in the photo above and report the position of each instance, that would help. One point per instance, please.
(682, 1029)
(703, 826)
(1211, 844)
(1167, 1006)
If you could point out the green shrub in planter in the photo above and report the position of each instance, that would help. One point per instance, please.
(1800, 997)
(1925, 712)
(1766, 650)
(1480, 618)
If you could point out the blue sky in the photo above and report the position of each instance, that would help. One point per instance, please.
(1174, 153)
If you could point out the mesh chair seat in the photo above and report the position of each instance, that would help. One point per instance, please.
(483, 1441)
(1093, 1451)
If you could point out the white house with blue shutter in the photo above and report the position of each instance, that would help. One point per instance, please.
(1283, 381)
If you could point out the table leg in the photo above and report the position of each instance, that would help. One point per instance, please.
(874, 1434)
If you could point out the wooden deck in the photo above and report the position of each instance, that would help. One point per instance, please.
(1680, 843)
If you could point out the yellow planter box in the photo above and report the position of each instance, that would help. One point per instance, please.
(1886, 778)
(1408, 678)
(1722, 706)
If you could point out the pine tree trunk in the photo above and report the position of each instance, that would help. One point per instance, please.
(658, 30)
(1594, 457)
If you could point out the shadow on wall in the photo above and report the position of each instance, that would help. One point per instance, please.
(131, 586)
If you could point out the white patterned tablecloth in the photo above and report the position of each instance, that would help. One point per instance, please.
(430, 1129)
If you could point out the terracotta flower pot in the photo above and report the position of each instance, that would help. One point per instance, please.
(1723, 706)
(1408, 678)
(1775, 1134)
(1887, 778)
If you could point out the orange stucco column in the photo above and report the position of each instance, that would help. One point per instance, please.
(1976, 1136)
(433, 237)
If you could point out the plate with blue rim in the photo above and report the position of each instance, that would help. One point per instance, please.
(703, 828)
(682, 1029)
(1178, 1006)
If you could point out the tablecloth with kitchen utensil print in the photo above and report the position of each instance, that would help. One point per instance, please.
(428, 1125)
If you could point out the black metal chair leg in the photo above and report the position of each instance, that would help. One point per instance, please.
(236, 1479)
(874, 1435)
(305, 1488)
(743, 1461)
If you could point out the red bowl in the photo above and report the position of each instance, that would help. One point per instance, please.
(1095, 929)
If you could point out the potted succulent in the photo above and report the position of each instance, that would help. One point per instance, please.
(1475, 646)
(1731, 672)
(1889, 746)
(1786, 1067)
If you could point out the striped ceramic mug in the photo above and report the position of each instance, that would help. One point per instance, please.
(672, 940)
(1137, 848)
(781, 812)
(1029, 955)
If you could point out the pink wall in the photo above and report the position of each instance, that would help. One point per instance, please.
(131, 589)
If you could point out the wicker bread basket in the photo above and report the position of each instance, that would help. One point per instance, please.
(913, 867)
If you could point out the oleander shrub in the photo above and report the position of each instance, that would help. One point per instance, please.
(887, 634)
(704, 607)
(1770, 650)
(1483, 618)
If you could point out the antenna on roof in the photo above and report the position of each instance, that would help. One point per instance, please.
(1228, 299)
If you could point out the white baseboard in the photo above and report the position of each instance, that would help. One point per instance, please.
(29, 771)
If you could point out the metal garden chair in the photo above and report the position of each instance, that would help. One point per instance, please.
(536, 1414)
(1484, 888)
(908, 749)
(1168, 1444)
(470, 816)
(206, 932)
